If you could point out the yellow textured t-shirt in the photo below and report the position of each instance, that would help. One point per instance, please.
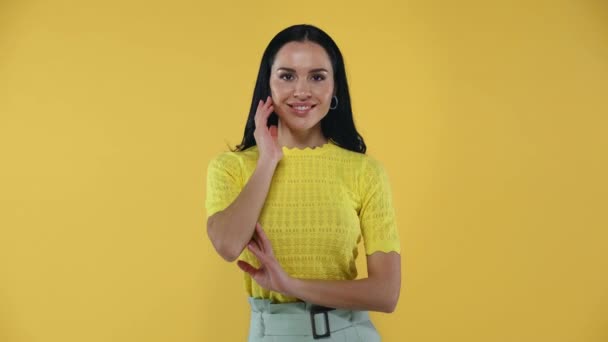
(321, 202)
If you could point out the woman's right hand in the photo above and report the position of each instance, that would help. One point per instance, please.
(266, 138)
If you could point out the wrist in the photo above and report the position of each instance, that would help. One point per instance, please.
(292, 287)
(267, 163)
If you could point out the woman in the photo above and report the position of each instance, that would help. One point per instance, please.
(294, 199)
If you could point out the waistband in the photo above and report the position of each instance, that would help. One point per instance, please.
(288, 319)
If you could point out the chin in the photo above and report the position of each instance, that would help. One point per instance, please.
(299, 124)
(299, 127)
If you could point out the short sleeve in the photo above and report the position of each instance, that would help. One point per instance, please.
(224, 182)
(377, 214)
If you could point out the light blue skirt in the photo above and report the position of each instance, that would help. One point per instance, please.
(294, 322)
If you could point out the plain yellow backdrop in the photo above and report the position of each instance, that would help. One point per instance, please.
(489, 116)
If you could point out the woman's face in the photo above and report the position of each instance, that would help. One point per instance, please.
(301, 84)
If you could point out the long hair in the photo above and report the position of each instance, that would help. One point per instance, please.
(338, 125)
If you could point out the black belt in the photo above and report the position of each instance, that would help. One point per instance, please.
(317, 309)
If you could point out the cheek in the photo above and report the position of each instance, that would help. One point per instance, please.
(326, 94)
(278, 90)
(326, 91)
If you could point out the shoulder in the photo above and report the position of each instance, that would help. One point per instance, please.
(372, 174)
(367, 169)
(230, 158)
(348, 156)
(371, 164)
(366, 164)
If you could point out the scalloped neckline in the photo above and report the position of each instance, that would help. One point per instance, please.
(307, 150)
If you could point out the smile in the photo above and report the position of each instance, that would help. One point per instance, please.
(301, 109)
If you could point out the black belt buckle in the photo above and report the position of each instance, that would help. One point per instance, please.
(315, 310)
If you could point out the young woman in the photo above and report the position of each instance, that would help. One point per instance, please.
(294, 199)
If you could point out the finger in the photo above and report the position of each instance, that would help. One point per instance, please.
(256, 116)
(256, 238)
(263, 112)
(259, 112)
(257, 252)
(265, 240)
(252, 271)
(260, 105)
(260, 236)
(259, 231)
(268, 101)
(247, 267)
(263, 105)
(258, 241)
(267, 110)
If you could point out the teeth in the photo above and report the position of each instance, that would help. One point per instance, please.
(302, 107)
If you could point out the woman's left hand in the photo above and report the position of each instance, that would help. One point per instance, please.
(270, 275)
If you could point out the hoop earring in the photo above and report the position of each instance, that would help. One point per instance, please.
(336, 106)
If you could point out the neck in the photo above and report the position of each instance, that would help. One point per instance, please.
(301, 139)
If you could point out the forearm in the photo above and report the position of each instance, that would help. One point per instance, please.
(371, 294)
(231, 229)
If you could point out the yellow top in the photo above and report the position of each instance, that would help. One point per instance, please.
(321, 202)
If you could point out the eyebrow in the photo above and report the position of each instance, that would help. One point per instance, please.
(313, 70)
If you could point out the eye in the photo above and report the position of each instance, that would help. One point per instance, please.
(286, 77)
(318, 77)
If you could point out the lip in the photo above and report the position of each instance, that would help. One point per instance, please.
(301, 112)
(301, 104)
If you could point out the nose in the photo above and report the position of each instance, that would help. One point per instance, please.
(302, 89)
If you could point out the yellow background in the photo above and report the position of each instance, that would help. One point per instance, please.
(490, 118)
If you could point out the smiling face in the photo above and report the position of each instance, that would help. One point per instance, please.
(302, 85)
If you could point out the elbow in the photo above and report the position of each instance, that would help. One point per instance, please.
(389, 301)
(222, 247)
(389, 306)
(225, 250)
(226, 253)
